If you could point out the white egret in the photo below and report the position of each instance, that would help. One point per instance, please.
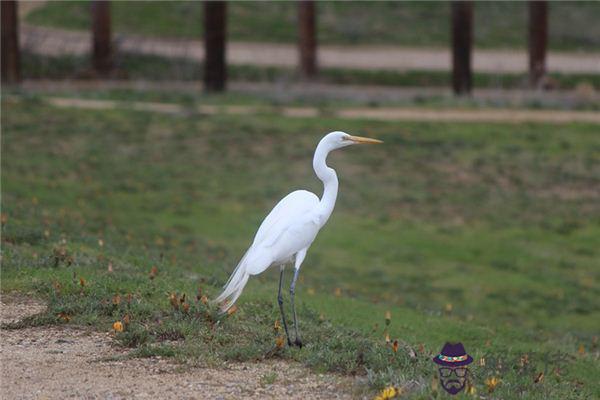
(290, 228)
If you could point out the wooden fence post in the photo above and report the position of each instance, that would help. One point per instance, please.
(11, 72)
(307, 38)
(101, 37)
(215, 32)
(538, 41)
(462, 44)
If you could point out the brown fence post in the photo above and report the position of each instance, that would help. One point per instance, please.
(538, 41)
(11, 72)
(215, 32)
(307, 38)
(462, 44)
(101, 37)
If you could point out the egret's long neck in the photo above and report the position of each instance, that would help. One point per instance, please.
(329, 178)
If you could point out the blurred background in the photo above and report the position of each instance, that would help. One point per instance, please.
(271, 47)
(144, 142)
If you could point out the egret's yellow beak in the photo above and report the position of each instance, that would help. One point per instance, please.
(364, 140)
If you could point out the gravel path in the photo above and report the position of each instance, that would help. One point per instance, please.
(54, 42)
(62, 362)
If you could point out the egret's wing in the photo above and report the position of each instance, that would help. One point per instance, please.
(289, 209)
(290, 212)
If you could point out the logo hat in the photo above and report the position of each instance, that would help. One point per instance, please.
(453, 355)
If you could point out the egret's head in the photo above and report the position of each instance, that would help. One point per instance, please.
(337, 140)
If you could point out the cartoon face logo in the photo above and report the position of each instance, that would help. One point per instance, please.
(453, 370)
(453, 379)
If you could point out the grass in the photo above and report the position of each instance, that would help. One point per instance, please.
(485, 234)
(131, 66)
(572, 25)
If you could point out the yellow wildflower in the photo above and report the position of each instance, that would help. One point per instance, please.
(118, 326)
(388, 393)
(471, 390)
(491, 383)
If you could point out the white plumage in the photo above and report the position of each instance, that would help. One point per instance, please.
(290, 228)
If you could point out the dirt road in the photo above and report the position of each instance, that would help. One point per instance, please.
(54, 42)
(63, 362)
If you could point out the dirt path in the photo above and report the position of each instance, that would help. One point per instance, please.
(372, 113)
(61, 362)
(54, 42)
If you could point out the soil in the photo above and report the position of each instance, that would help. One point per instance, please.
(68, 362)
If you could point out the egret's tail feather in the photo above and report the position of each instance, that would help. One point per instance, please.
(234, 287)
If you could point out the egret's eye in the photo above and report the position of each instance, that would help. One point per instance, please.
(345, 138)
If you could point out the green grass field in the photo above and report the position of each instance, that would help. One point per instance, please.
(573, 25)
(480, 233)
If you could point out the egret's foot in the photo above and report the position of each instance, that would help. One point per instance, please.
(298, 342)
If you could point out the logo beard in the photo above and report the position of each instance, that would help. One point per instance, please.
(453, 386)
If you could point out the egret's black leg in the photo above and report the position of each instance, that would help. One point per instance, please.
(297, 342)
(280, 301)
